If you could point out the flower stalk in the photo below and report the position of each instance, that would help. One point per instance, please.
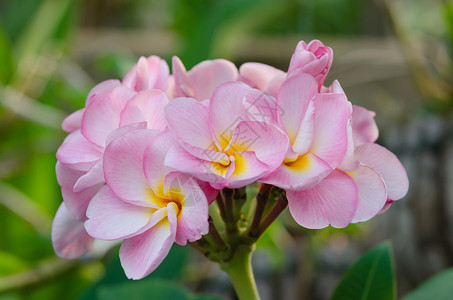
(239, 269)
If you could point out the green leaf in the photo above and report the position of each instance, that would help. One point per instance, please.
(156, 289)
(171, 268)
(372, 277)
(437, 287)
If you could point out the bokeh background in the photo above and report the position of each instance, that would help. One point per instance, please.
(391, 56)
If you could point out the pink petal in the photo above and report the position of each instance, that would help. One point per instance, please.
(102, 115)
(182, 86)
(258, 75)
(193, 218)
(188, 120)
(293, 99)
(349, 161)
(146, 106)
(110, 218)
(208, 75)
(332, 202)
(78, 152)
(154, 158)
(73, 121)
(149, 73)
(142, 254)
(335, 88)
(372, 193)
(210, 192)
(170, 88)
(303, 173)
(363, 125)
(330, 136)
(299, 59)
(267, 141)
(304, 137)
(274, 85)
(179, 159)
(124, 130)
(123, 166)
(69, 238)
(93, 177)
(386, 207)
(261, 107)
(77, 203)
(101, 88)
(67, 176)
(227, 109)
(247, 169)
(388, 166)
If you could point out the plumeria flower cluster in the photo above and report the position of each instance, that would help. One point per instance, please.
(147, 156)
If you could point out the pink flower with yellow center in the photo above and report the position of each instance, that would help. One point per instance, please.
(144, 203)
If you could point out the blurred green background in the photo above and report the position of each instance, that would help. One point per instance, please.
(391, 56)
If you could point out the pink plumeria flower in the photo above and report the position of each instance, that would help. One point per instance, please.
(149, 73)
(111, 111)
(316, 126)
(201, 81)
(368, 173)
(229, 141)
(313, 58)
(145, 203)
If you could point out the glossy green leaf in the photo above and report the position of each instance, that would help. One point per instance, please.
(372, 277)
(439, 287)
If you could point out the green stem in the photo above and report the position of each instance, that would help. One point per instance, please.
(239, 269)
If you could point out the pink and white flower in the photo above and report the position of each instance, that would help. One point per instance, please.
(145, 203)
(368, 173)
(221, 141)
(143, 169)
(111, 111)
(316, 126)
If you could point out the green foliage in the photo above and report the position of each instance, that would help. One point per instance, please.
(171, 269)
(438, 287)
(271, 243)
(10, 264)
(157, 289)
(372, 277)
(448, 16)
(6, 59)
